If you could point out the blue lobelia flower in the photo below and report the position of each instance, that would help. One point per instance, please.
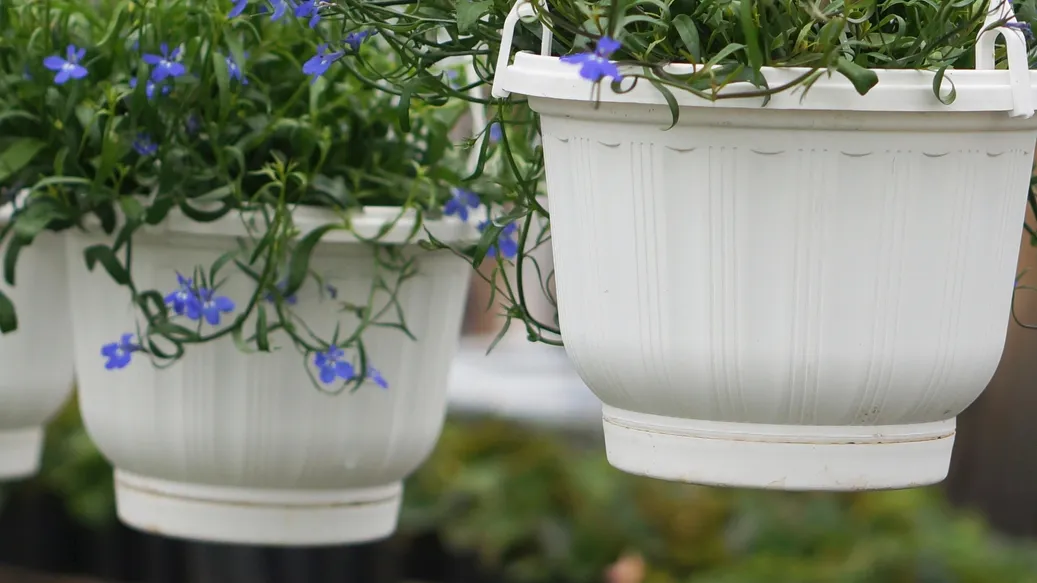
(166, 64)
(355, 39)
(496, 132)
(318, 64)
(69, 67)
(119, 353)
(595, 66)
(1023, 27)
(332, 364)
(332, 291)
(207, 304)
(281, 286)
(280, 6)
(179, 298)
(144, 146)
(376, 377)
(239, 7)
(234, 71)
(311, 9)
(507, 243)
(461, 201)
(192, 124)
(149, 87)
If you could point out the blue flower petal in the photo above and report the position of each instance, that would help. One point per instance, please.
(344, 370)
(327, 374)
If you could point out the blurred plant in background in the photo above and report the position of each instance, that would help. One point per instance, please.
(540, 507)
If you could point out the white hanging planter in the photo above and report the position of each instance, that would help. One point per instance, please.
(234, 447)
(36, 359)
(798, 296)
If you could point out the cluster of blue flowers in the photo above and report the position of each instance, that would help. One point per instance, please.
(462, 203)
(197, 303)
(186, 300)
(332, 366)
(318, 64)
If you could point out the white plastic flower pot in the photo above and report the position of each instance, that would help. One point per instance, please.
(800, 296)
(233, 447)
(35, 359)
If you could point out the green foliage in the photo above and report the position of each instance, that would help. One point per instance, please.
(243, 130)
(733, 40)
(546, 510)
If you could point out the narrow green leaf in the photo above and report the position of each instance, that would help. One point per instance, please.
(132, 208)
(299, 263)
(752, 37)
(8, 318)
(689, 34)
(18, 155)
(14, 247)
(29, 222)
(938, 80)
(469, 12)
(863, 79)
(103, 255)
(262, 333)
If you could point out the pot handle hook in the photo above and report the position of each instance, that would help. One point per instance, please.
(522, 10)
(1000, 11)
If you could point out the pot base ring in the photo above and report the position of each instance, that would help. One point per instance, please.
(257, 516)
(20, 452)
(778, 457)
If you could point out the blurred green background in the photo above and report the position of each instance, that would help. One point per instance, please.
(535, 505)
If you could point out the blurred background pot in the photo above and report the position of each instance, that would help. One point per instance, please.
(36, 359)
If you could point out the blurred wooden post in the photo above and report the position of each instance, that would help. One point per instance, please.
(994, 469)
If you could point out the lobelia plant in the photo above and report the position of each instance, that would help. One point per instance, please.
(117, 114)
(620, 44)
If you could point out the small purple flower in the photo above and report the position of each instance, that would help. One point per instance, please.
(149, 87)
(69, 67)
(595, 66)
(182, 295)
(318, 64)
(239, 7)
(1023, 27)
(166, 64)
(376, 377)
(192, 124)
(507, 243)
(332, 364)
(279, 8)
(119, 353)
(144, 146)
(26, 74)
(461, 201)
(281, 286)
(309, 8)
(207, 304)
(234, 71)
(332, 291)
(496, 132)
(355, 39)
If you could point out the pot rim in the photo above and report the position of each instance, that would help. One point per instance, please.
(365, 222)
(898, 90)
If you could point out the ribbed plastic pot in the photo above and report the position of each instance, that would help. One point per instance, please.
(801, 295)
(35, 359)
(226, 446)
